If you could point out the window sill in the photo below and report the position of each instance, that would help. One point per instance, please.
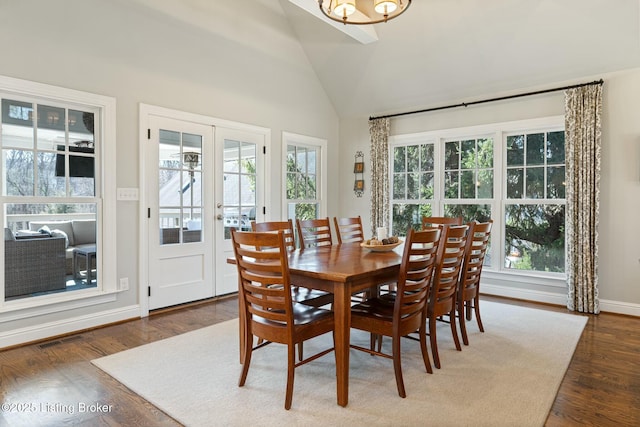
(39, 306)
(556, 280)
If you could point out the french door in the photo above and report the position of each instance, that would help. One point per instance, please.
(180, 220)
(202, 181)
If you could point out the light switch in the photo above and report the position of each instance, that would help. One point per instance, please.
(128, 194)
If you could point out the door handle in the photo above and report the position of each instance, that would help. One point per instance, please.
(219, 205)
(219, 217)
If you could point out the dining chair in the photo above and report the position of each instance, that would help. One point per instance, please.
(349, 230)
(269, 312)
(407, 311)
(469, 287)
(442, 299)
(314, 232)
(303, 295)
(428, 221)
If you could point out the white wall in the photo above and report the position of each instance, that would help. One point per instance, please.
(242, 63)
(619, 253)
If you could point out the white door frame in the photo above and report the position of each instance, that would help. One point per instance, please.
(145, 111)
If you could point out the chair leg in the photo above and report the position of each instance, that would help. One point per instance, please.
(454, 329)
(463, 323)
(434, 342)
(423, 347)
(300, 352)
(248, 349)
(291, 366)
(467, 305)
(476, 307)
(397, 367)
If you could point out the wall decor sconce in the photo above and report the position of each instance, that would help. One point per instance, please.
(358, 170)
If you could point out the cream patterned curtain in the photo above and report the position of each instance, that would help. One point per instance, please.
(379, 131)
(583, 107)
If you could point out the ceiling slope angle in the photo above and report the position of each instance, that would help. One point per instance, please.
(365, 34)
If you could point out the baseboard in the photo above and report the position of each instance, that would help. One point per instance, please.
(66, 326)
(606, 306)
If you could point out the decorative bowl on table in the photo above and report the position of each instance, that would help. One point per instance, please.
(385, 245)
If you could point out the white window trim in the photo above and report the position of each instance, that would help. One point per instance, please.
(497, 131)
(289, 138)
(106, 237)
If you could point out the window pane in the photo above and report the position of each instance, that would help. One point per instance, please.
(485, 153)
(515, 150)
(49, 184)
(535, 183)
(485, 184)
(451, 185)
(231, 156)
(399, 185)
(413, 189)
(18, 170)
(468, 154)
(312, 184)
(469, 212)
(17, 124)
(404, 216)
(413, 158)
(231, 190)
(51, 127)
(47, 238)
(515, 183)
(451, 160)
(301, 159)
(467, 185)
(426, 186)
(427, 157)
(535, 149)
(291, 158)
(555, 147)
(169, 148)
(399, 160)
(534, 237)
(556, 182)
(291, 185)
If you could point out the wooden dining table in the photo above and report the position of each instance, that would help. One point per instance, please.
(342, 270)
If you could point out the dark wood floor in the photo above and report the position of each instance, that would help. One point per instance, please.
(43, 383)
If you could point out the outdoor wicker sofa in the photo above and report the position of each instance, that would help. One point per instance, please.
(33, 265)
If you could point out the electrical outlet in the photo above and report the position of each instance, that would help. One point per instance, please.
(124, 283)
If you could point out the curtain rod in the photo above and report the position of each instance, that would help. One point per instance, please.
(483, 101)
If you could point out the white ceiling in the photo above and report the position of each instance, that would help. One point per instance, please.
(444, 51)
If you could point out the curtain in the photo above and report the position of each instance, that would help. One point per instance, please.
(583, 107)
(379, 131)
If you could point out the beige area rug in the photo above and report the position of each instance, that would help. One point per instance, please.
(507, 376)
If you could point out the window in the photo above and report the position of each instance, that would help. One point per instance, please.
(50, 139)
(304, 177)
(513, 173)
(535, 201)
(413, 185)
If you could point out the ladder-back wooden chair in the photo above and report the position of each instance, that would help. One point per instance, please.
(349, 230)
(442, 300)
(407, 312)
(314, 232)
(469, 288)
(269, 312)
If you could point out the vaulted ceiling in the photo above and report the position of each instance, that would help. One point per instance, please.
(441, 51)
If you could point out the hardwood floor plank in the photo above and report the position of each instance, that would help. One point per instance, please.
(601, 387)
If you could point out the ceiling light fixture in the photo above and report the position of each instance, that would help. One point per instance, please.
(342, 10)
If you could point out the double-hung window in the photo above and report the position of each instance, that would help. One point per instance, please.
(304, 176)
(52, 191)
(512, 173)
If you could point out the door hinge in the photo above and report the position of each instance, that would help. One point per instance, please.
(148, 212)
(148, 133)
(149, 291)
(264, 210)
(264, 149)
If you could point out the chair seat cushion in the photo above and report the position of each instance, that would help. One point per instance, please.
(374, 307)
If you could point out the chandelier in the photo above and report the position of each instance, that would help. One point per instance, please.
(341, 10)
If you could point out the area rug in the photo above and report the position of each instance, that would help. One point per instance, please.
(507, 376)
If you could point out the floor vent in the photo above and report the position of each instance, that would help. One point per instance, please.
(60, 341)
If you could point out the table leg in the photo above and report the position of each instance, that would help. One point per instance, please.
(342, 316)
